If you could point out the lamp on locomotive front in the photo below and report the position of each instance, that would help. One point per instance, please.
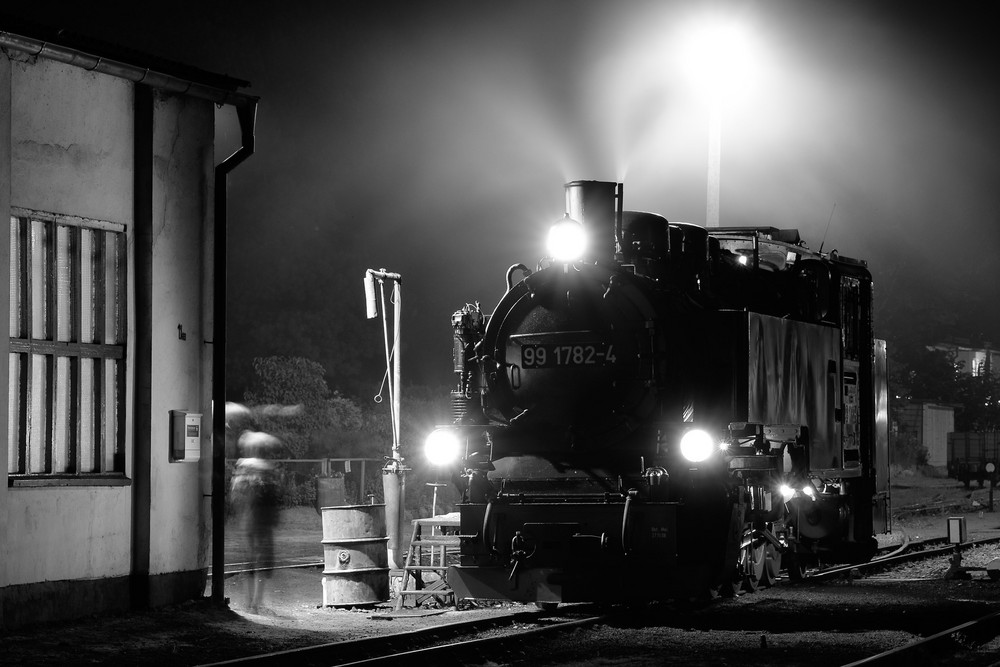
(567, 240)
(442, 447)
(697, 445)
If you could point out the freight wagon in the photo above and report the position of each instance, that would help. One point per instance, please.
(974, 456)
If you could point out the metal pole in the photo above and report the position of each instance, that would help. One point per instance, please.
(394, 472)
(361, 485)
(396, 368)
(714, 164)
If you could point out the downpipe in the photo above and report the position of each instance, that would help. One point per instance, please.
(246, 113)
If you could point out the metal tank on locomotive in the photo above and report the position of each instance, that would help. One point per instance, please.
(665, 410)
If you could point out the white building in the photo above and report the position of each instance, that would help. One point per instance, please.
(977, 359)
(930, 423)
(108, 181)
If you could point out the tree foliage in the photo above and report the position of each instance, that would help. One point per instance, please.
(980, 400)
(279, 383)
(935, 375)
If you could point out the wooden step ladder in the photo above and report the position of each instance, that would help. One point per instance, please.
(429, 553)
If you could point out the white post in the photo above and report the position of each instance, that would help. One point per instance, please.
(714, 164)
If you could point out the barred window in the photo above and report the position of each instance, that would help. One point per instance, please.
(67, 345)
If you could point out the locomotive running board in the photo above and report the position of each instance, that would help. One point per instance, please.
(494, 583)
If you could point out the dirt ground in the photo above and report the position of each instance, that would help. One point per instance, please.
(921, 506)
(200, 632)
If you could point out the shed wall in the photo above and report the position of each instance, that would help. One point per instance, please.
(68, 146)
(183, 130)
(71, 154)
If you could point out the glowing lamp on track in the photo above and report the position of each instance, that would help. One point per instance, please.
(567, 240)
(697, 445)
(442, 447)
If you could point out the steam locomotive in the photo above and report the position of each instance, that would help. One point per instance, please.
(661, 410)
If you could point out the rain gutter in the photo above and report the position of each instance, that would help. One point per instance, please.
(246, 110)
(143, 75)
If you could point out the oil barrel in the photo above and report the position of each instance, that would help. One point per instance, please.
(355, 556)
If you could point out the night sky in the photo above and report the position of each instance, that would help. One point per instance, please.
(433, 139)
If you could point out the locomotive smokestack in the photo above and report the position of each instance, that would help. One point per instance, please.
(597, 205)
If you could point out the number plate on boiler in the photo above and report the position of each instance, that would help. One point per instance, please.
(553, 355)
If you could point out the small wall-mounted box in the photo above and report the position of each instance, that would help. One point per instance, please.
(185, 436)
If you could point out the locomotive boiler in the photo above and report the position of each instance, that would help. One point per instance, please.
(661, 410)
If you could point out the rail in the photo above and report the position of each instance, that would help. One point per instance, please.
(455, 641)
(982, 629)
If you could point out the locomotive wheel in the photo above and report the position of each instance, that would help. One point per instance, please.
(772, 564)
(730, 586)
(795, 566)
(754, 566)
(731, 581)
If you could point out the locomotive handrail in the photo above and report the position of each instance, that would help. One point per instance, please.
(626, 543)
(487, 539)
(510, 274)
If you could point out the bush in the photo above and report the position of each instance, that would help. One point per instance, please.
(907, 451)
(296, 489)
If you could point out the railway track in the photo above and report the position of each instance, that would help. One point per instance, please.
(953, 643)
(463, 642)
(915, 551)
(503, 639)
(283, 564)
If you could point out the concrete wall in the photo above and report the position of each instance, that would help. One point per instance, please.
(183, 132)
(68, 146)
(71, 153)
(72, 141)
(4, 307)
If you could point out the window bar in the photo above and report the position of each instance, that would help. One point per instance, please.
(99, 290)
(76, 326)
(24, 285)
(22, 417)
(29, 329)
(51, 285)
(86, 365)
(22, 329)
(121, 274)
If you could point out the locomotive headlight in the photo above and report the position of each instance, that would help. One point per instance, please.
(442, 447)
(567, 240)
(697, 445)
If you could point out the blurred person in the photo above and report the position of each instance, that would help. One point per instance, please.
(255, 501)
(238, 419)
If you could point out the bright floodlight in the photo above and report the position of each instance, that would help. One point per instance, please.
(697, 445)
(567, 240)
(442, 447)
(719, 55)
